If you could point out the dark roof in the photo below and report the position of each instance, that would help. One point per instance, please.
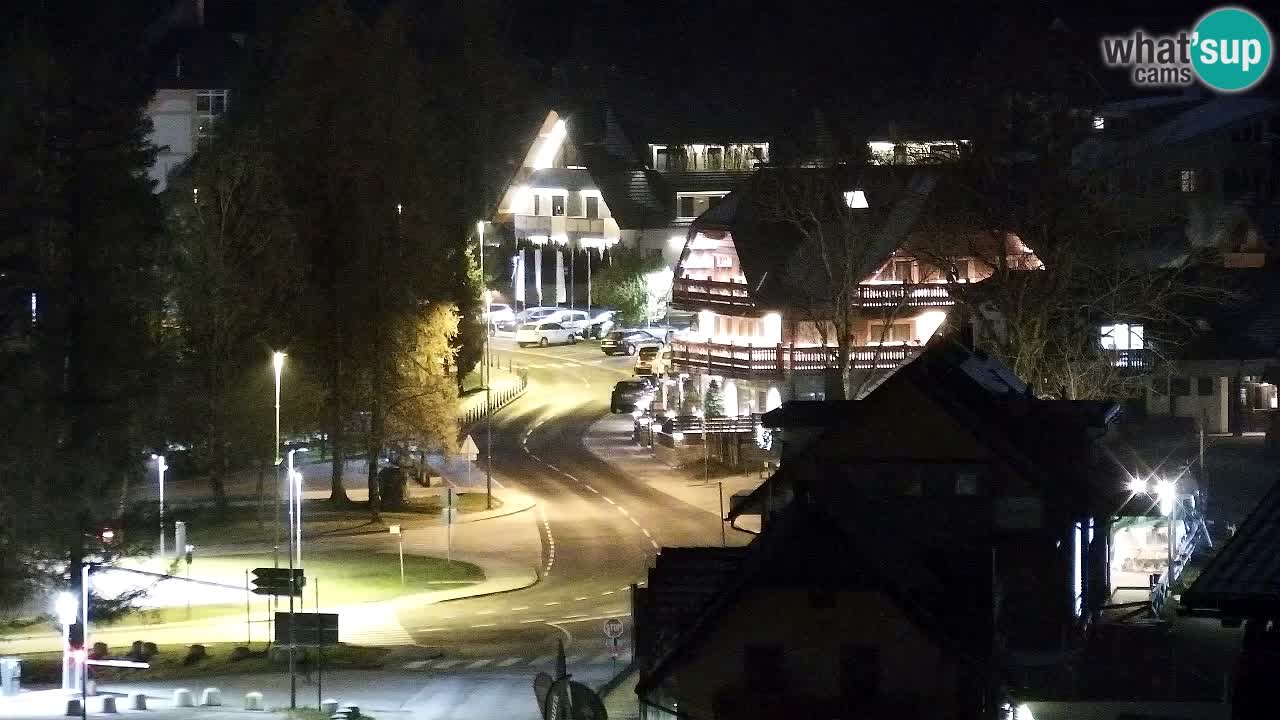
(805, 547)
(636, 198)
(1244, 318)
(1048, 440)
(567, 178)
(775, 260)
(1243, 579)
(705, 181)
(194, 58)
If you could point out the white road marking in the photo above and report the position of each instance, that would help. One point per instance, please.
(623, 510)
(509, 662)
(654, 544)
(484, 625)
(431, 629)
(553, 602)
(485, 612)
(572, 478)
(607, 592)
(571, 617)
(479, 664)
(635, 522)
(446, 664)
(553, 467)
(415, 665)
(584, 597)
(606, 499)
(646, 532)
(534, 620)
(522, 607)
(592, 489)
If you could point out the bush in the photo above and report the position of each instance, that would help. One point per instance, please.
(240, 652)
(100, 651)
(195, 654)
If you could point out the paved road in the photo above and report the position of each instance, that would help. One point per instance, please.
(475, 657)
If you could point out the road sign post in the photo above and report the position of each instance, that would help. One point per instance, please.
(448, 525)
(613, 630)
(395, 530)
(278, 581)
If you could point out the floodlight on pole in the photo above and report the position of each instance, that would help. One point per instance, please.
(1137, 486)
(66, 607)
(1167, 494)
(161, 466)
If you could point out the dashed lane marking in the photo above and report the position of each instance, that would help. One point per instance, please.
(479, 663)
(509, 662)
(485, 625)
(446, 664)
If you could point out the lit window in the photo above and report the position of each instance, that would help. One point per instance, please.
(210, 105)
(1099, 122)
(557, 205)
(1189, 180)
(855, 199)
(1121, 337)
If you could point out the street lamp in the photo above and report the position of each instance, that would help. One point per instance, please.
(295, 503)
(277, 363)
(66, 607)
(161, 466)
(488, 407)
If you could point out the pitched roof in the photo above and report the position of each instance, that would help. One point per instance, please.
(573, 178)
(1243, 579)
(636, 198)
(776, 260)
(807, 547)
(1046, 439)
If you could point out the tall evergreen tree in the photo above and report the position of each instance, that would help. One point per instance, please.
(78, 248)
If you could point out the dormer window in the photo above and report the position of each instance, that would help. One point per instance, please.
(1099, 123)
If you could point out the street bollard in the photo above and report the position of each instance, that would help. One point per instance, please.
(73, 707)
(109, 704)
(137, 701)
(253, 701)
(182, 697)
(211, 697)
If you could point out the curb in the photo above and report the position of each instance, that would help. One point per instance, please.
(537, 578)
(497, 514)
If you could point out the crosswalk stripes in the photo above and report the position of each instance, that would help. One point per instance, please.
(509, 662)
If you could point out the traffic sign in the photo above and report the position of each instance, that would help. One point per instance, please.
(469, 449)
(276, 581)
(613, 628)
(310, 629)
(395, 529)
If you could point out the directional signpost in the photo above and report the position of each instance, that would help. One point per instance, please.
(276, 581)
(310, 629)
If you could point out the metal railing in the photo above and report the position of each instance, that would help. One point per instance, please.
(498, 399)
(778, 360)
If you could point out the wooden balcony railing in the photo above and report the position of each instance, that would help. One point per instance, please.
(746, 361)
(709, 294)
(1130, 359)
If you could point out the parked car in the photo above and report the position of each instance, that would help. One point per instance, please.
(497, 314)
(527, 315)
(576, 320)
(653, 359)
(602, 324)
(626, 342)
(544, 333)
(627, 394)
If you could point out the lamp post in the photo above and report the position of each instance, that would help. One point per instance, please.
(65, 607)
(706, 448)
(277, 363)
(161, 466)
(488, 407)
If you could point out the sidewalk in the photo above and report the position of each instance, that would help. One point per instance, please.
(609, 439)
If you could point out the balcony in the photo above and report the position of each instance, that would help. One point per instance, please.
(1137, 360)
(570, 227)
(775, 361)
(689, 294)
(708, 295)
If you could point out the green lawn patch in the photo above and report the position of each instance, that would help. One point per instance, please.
(170, 663)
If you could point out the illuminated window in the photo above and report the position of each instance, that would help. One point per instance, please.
(1189, 180)
(557, 205)
(1099, 122)
(210, 106)
(856, 199)
(1121, 337)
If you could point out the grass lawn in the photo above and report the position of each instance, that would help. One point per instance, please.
(321, 519)
(169, 663)
(350, 576)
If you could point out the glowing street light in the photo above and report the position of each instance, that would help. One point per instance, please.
(66, 608)
(161, 466)
(1137, 486)
(1167, 494)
